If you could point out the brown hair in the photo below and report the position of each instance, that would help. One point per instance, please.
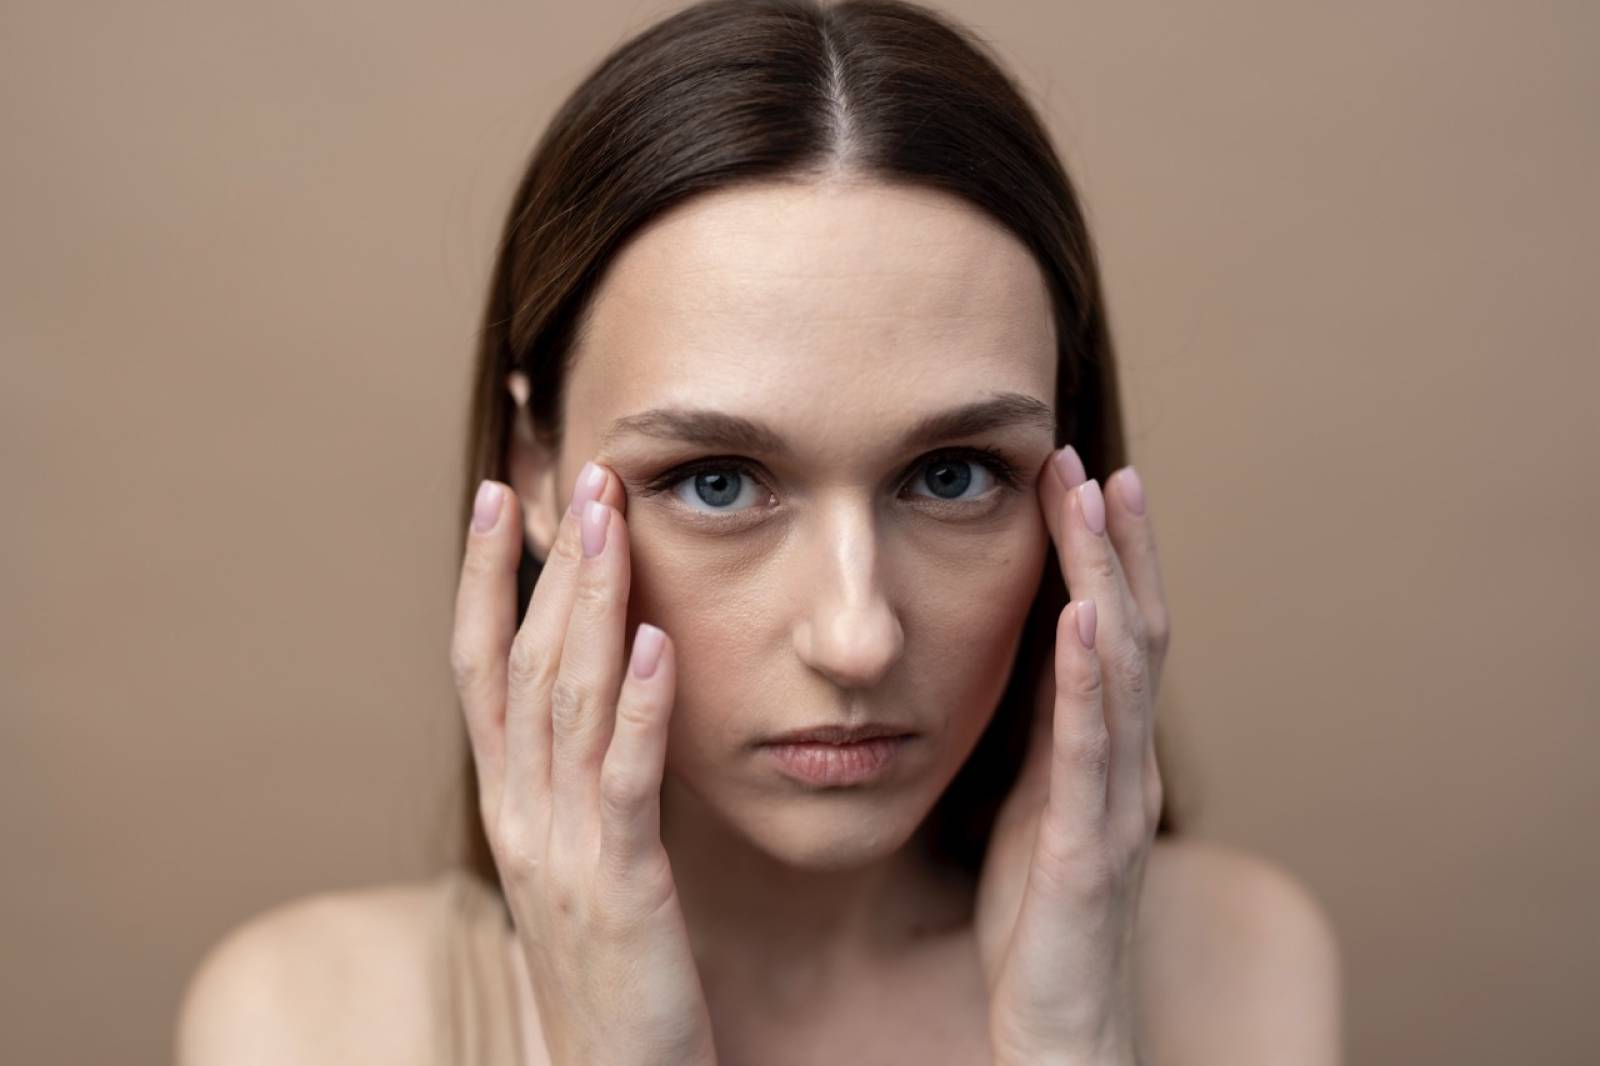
(732, 91)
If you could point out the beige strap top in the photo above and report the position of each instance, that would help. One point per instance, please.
(479, 988)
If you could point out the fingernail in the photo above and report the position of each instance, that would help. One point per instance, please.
(1132, 490)
(595, 521)
(646, 650)
(1069, 467)
(1086, 620)
(591, 479)
(486, 508)
(1093, 505)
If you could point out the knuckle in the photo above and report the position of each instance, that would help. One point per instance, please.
(1139, 634)
(567, 550)
(1091, 750)
(1096, 875)
(478, 565)
(566, 705)
(514, 850)
(635, 713)
(594, 591)
(1101, 566)
(1082, 866)
(466, 668)
(621, 794)
(1086, 685)
(1158, 628)
(1129, 667)
(528, 666)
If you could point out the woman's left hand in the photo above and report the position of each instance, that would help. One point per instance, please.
(1060, 886)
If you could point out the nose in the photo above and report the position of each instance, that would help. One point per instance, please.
(848, 629)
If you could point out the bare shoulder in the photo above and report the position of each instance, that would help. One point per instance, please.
(335, 977)
(1240, 961)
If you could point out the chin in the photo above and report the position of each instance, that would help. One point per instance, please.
(834, 832)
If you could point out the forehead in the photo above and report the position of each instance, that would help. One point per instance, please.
(832, 302)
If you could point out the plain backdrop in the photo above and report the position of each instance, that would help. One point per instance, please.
(1351, 253)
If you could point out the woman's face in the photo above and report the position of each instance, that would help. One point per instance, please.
(834, 570)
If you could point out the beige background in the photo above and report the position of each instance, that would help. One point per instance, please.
(1350, 251)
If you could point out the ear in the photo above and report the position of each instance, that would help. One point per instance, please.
(532, 472)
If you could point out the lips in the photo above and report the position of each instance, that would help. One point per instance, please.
(837, 734)
(818, 765)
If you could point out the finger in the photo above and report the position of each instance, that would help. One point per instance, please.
(536, 655)
(1081, 741)
(1062, 472)
(1090, 566)
(1128, 520)
(630, 775)
(583, 699)
(1069, 474)
(485, 618)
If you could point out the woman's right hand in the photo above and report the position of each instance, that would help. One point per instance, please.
(570, 756)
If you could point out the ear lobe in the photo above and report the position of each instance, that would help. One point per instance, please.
(531, 471)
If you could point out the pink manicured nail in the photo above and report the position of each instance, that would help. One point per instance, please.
(591, 479)
(596, 517)
(1086, 622)
(646, 650)
(1093, 505)
(486, 508)
(1132, 490)
(1069, 467)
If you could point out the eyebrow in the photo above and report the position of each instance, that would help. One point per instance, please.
(717, 429)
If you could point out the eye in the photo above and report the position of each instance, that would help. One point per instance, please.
(729, 486)
(950, 474)
(713, 486)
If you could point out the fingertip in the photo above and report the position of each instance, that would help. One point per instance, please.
(1092, 506)
(614, 493)
(1069, 467)
(1087, 620)
(487, 506)
(648, 646)
(1130, 490)
(596, 527)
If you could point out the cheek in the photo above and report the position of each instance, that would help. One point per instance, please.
(970, 622)
(718, 609)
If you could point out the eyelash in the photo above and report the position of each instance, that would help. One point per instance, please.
(1004, 471)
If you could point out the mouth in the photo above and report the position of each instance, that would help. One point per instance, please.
(833, 765)
(840, 735)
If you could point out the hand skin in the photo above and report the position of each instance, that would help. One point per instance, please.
(570, 755)
(1059, 891)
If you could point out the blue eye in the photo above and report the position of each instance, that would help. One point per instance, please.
(717, 486)
(950, 477)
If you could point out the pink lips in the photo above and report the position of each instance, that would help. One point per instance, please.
(837, 764)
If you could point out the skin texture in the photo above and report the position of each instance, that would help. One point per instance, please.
(840, 589)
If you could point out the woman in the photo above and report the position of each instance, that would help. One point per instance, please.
(794, 401)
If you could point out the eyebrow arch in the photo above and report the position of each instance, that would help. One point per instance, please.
(717, 429)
